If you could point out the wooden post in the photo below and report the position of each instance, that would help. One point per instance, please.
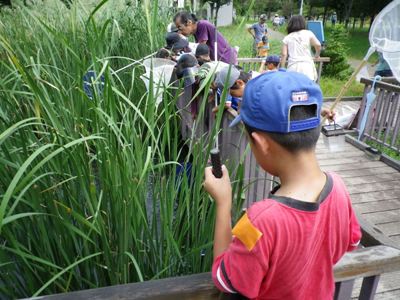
(368, 288)
(319, 71)
(343, 290)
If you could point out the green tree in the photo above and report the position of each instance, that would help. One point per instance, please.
(336, 50)
(215, 5)
(287, 8)
(5, 2)
(267, 6)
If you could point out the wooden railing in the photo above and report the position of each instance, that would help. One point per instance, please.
(253, 64)
(367, 263)
(383, 120)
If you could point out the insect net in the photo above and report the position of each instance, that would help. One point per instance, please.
(384, 36)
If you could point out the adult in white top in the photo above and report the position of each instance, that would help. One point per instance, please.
(297, 48)
(276, 21)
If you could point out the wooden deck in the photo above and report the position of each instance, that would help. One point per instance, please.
(374, 188)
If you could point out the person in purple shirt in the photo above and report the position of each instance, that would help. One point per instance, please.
(204, 33)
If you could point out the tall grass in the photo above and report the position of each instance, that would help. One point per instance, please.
(90, 190)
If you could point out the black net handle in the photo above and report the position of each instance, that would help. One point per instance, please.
(216, 163)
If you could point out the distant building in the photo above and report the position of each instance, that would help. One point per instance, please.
(225, 13)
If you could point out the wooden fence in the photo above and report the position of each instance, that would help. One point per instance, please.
(253, 64)
(383, 120)
(367, 263)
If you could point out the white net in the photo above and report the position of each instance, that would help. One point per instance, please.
(160, 70)
(385, 35)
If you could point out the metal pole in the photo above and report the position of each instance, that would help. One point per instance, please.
(216, 34)
(216, 59)
(301, 8)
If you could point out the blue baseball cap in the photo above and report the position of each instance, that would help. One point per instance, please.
(273, 59)
(268, 99)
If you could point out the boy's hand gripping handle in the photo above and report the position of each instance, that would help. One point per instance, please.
(216, 163)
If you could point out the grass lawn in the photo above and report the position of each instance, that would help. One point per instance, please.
(330, 87)
(237, 35)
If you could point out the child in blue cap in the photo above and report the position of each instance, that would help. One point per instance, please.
(270, 64)
(285, 246)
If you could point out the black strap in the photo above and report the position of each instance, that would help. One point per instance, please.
(226, 276)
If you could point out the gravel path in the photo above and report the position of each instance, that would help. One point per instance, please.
(275, 35)
(356, 62)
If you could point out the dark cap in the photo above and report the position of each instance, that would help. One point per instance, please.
(273, 59)
(175, 41)
(202, 49)
(187, 68)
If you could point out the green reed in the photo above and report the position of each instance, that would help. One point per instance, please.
(90, 192)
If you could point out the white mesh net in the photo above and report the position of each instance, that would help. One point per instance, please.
(160, 70)
(385, 35)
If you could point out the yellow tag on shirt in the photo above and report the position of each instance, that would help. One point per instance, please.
(246, 232)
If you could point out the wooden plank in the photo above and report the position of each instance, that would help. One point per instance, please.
(383, 217)
(374, 196)
(196, 287)
(345, 167)
(371, 178)
(379, 206)
(362, 158)
(391, 229)
(323, 144)
(395, 238)
(359, 263)
(372, 235)
(388, 285)
(334, 144)
(374, 187)
(382, 85)
(326, 151)
(367, 262)
(389, 282)
(391, 295)
(337, 155)
(362, 172)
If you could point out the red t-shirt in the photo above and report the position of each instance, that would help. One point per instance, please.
(284, 248)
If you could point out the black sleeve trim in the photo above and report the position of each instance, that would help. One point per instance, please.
(226, 276)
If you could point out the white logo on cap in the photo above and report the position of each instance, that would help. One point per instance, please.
(299, 96)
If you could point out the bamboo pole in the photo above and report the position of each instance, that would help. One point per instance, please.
(347, 84)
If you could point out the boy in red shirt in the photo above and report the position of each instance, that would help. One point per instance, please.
(285, 246)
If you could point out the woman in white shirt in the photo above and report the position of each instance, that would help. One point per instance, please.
(297, 48)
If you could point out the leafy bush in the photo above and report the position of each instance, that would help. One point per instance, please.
(336, 50)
